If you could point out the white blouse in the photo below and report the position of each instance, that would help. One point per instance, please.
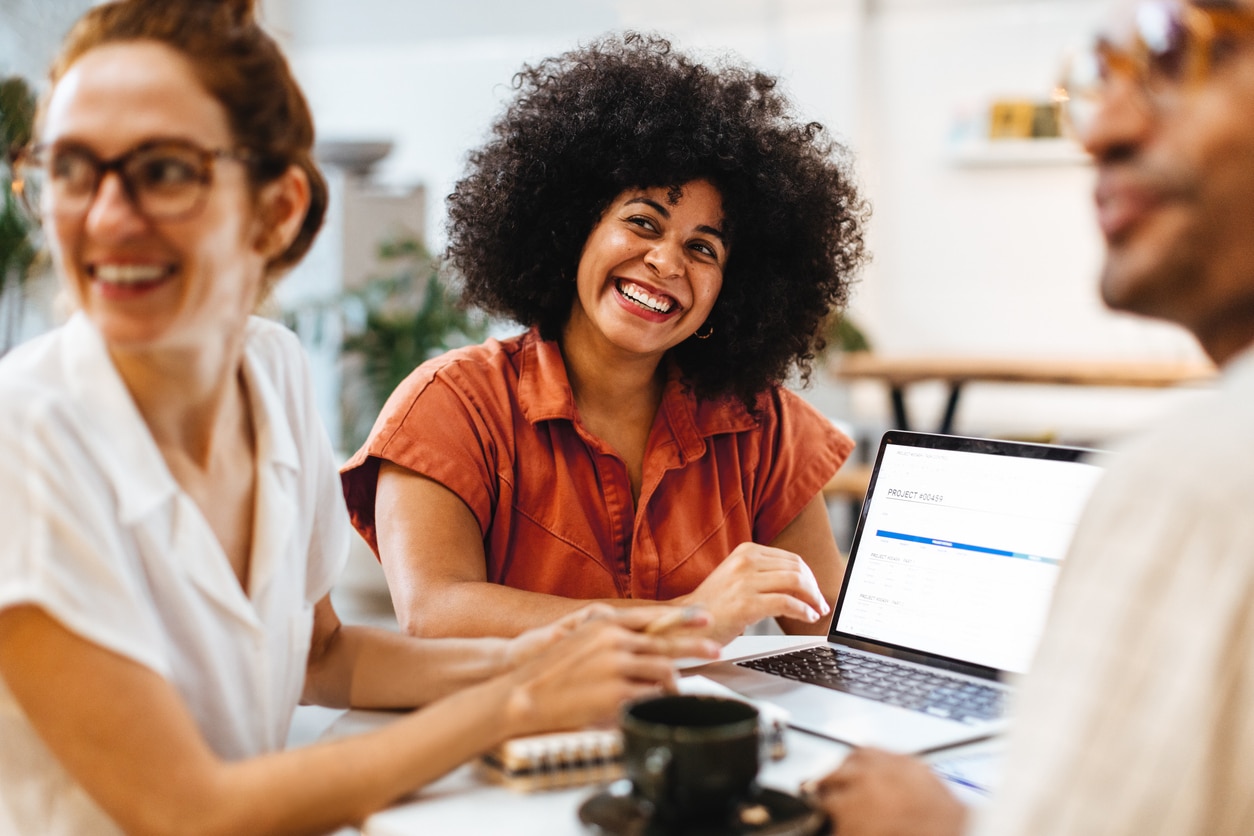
(95, 531)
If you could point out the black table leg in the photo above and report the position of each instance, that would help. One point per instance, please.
(901, 419)
(951, 408)
(899, 407)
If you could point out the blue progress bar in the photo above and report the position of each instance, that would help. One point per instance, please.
(949, 544)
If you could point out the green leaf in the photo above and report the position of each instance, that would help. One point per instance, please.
(18, 250)
(389, 326)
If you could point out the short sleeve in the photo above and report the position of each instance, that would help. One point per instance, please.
(800, 451)
(63, 549)
(329, 542)
(330, 532)
(434, 424)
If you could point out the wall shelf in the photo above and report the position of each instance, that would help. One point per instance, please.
(1005, 153)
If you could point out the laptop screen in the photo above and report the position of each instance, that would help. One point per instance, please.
(960, 545)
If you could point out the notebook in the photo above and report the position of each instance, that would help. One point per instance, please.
(560, 760)
(946, 592)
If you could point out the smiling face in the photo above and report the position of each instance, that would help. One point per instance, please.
(651, 269)
(1175, 187)
(147, 283)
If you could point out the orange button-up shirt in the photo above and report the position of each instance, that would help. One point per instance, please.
(496, 424)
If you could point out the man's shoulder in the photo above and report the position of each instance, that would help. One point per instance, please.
(1199, 451)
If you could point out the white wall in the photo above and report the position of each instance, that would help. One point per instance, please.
(990, 259)
(30, 31)
(970, 257)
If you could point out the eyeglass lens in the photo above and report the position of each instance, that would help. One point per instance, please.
(163, 180)
(1172, 45)
(1156, 55)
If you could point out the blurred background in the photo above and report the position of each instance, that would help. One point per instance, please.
(983, 235)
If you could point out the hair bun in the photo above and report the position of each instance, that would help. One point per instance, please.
(238, 12)
(242, 11)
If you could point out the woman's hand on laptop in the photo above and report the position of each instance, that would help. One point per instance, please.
(757, 582)
(579, 670)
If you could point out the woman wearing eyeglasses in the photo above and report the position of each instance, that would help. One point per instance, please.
(172, 520)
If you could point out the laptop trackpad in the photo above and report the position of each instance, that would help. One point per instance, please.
(861, 722)
(847, 718)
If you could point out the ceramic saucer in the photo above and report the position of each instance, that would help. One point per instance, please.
(617, 811)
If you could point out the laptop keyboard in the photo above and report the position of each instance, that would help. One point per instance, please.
(884, 680)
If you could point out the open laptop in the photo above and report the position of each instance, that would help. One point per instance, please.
(948, 585)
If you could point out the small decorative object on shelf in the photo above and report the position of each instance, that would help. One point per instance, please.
(1024, 119)
(1012, 132)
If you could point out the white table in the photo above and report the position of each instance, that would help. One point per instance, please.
(464, 803)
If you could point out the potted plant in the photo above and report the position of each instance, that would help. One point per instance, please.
(840, 334)
(18, 248)
(387, 327)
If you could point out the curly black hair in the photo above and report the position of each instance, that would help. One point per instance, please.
(627, 111)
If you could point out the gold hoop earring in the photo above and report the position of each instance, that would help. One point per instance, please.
(709, 332)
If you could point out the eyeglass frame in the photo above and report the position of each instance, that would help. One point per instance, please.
(1202, 26)
(22, 159)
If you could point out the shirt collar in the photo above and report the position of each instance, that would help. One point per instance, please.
(544, 391)
(544, 394)
(125, 446)
(275, 443)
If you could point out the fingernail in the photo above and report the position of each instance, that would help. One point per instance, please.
(814, 614)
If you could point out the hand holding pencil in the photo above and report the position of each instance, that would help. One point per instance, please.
(676, 617)
(659, 620)
(580, 669)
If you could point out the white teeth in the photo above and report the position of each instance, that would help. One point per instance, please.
(129, 273)
(638, 296)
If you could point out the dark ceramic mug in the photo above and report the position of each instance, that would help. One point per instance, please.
(691, 757)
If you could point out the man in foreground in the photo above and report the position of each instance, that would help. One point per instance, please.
(1138, 716)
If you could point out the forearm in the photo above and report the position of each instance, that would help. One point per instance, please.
(364, 667)
(584, 679)
(137, 750)
(321, 787)
(432, 552)
(480, 608)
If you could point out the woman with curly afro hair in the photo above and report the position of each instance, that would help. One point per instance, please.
(672, 237)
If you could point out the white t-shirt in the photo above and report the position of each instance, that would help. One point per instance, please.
(95, 530)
